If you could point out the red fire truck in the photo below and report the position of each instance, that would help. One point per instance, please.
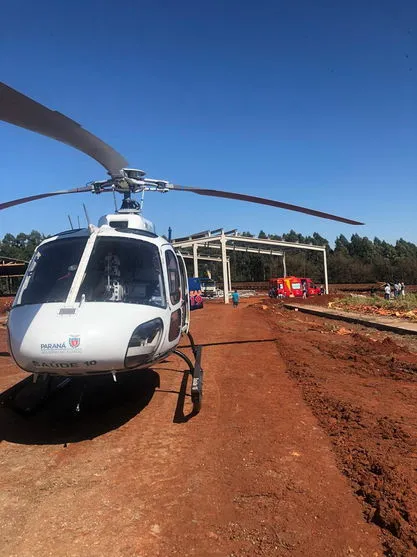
(292, 287)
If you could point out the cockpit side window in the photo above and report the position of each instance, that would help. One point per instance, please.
(123, 270)
(51, 272)
(173, 277)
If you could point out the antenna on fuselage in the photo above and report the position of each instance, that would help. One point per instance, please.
(70, 221)
(86, 215)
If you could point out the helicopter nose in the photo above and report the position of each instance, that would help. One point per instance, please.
(91, 338)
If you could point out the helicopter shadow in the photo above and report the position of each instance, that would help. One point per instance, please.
(105, 406)
(179, 414)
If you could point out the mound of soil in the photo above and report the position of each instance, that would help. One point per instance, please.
(362, 387)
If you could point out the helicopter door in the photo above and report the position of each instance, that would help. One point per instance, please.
(174, 297)
(185, 294)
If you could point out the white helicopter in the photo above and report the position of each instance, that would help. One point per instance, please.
(119, 272)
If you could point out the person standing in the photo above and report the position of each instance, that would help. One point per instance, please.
(402, 289)
(387, 291)
(304, 290)
(235, 298)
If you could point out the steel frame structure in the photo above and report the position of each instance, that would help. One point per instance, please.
(218, 239)
(209, 258)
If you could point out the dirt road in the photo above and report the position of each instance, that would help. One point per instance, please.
(292, 426)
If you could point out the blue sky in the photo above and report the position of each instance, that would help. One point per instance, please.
(312, 103)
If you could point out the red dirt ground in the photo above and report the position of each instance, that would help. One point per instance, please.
(306, 445)
(313, 300)
(5, 303)
(362, 386)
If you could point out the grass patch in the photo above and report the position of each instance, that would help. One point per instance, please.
(400, 305)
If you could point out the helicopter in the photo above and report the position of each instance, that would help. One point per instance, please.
(107, 298)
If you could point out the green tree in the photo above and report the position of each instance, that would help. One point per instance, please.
(21, 246)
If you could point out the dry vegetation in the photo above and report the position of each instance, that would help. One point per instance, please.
(404, 307)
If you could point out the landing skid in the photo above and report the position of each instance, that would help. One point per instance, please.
(196, 372)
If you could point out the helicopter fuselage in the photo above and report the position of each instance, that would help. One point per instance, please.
(97, 300)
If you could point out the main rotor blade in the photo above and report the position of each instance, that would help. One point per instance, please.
(22, 111)
(22, 200)
(263, 201)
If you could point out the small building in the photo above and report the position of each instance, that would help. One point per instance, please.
(11, 273)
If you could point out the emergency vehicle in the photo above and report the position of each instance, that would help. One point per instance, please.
(292, 287)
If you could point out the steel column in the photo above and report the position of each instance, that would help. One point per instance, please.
(224, 263)
(326, 282)
(195, 257)
(284, 264)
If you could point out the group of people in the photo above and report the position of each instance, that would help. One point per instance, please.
(394, 291)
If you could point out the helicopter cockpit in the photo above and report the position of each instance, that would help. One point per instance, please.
(118, 270)
(123, 270)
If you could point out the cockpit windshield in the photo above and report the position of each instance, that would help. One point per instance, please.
(119, 270)
(51, 271)
(123, 270)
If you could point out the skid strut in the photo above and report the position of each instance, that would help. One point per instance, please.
(196, 373)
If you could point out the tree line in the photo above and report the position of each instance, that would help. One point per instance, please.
(21, 246)
(357, 260)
